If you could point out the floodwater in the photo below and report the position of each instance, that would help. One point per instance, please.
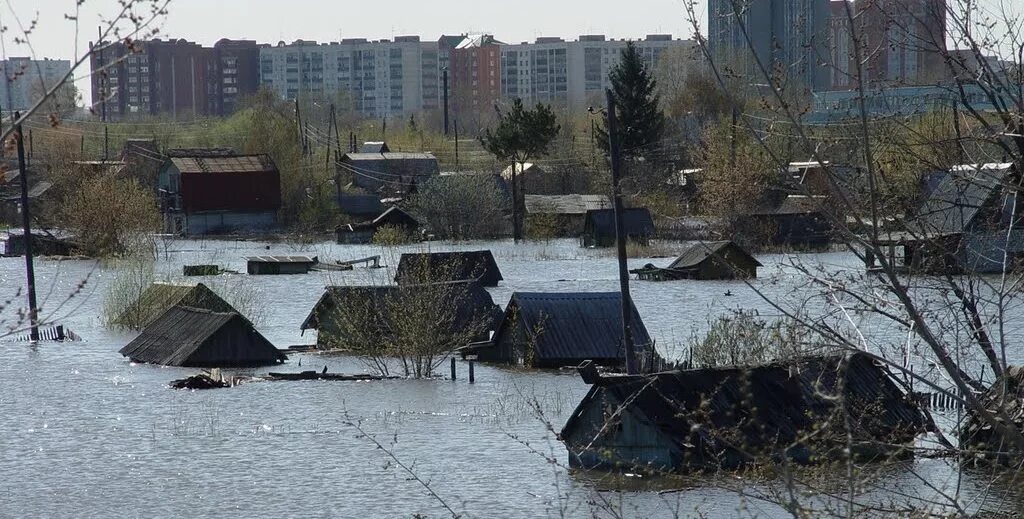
(85, 433)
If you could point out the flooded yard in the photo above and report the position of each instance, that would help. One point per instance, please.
(85, 433)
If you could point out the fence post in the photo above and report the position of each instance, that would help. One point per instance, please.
(453, 368)
(472, 378)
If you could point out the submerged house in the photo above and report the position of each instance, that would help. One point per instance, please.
(461, 310)
(158, 297)
(552, 330)
(705, 261)
(599, 227)
(43, 244)
(197, 338)
(735, 416)
(967, 223)
(360, 207)
(363, 232)
(433, 267)
(388, 172)
(203, 194)
(796, 221)
(278, 265)
(561, 215)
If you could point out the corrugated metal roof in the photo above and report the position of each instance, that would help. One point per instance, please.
(729, 413)
(636, 221)
(374, 147)
(565, 204)
(579, 325)
(179, 336)
(236, 164)
(699, 252)
(448, 266)
(391, 155)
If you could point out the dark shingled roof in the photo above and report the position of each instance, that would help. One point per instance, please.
(717, 415)
(637, 221)
(958, 198)
(448, 266)
(578, 325)
(184, 336)
(699, 252)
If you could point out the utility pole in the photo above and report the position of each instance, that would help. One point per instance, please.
(384, 129)
(445, 80)
(103, 77)
(732, 136)
(456, 145)
(26, 224)
(620, 238)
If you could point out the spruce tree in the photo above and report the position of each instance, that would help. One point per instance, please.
(641, 123)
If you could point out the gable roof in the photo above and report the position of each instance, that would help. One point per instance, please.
(699, 252)
(448, 266)
(158, 297)
(771, 407)
(636, 221)
(374, 147)
(520, 168)
(393, 171)
(565, 204)
(231, 164)
(360, 205)
(959, 197)
(574, 325)
(183, 336)
(470, 299)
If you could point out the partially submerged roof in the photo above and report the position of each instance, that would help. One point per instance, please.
(185, 336)
(432, 267)
(699, 252)
(233, 164)
(282, 259)
(473, 304)
(795, 205)
(959, 197)
(374, 147)
(637, 221)
(158, 297)
(575, 325)
(741, 414)
(360, 205)
(565, 204)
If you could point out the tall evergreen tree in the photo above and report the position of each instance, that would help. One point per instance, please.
(641, 121)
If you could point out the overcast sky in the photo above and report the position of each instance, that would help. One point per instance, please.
(270, 21)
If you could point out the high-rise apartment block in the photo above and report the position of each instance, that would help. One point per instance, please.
(26, 80)
(174, 77)
(786, 38)
(572, 73)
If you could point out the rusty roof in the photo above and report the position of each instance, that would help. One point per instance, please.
(239, 164)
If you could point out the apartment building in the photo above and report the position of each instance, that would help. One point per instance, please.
(382, 78)
(789, 38)
(571, 73)
(475, 73)
(28, 79)
(173, 77)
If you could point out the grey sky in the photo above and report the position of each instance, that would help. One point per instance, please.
(270, 21)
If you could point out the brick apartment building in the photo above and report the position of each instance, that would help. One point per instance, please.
(173, 77)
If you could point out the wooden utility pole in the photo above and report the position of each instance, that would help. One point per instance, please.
(26, 224)
(456, 145)
(620, 238)
(445, 80)
(732, 136)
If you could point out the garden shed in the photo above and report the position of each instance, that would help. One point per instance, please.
(192, 337)
(705, 261)
(553, 330)
(459, 307)
(363, 232)
(734, 416)
(158, 297)
(599, 227)
(432, 267)
(276, 265)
